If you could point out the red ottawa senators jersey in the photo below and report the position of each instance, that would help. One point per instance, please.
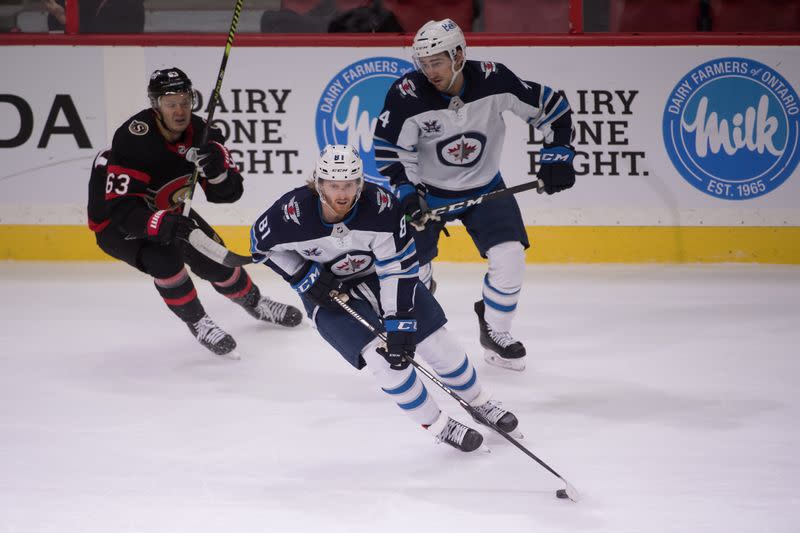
(143, 173)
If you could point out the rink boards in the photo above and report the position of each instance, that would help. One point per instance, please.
(684, 153)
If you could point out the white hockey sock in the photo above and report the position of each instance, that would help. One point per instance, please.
(426, 274)
(448, 359)
(403, 386)
(503, 283)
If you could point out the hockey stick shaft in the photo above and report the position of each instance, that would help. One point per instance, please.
(237, 11)
(215, 251)
(491, 195)
(571, 491)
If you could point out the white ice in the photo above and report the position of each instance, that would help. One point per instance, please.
(668, 395)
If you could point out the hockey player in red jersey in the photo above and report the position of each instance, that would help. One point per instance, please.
(136, 193)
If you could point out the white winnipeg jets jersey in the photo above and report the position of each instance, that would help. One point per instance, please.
(372, 241)
(454, 144)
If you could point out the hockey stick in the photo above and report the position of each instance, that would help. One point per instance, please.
(237, 10)
(215, 251)
(570, 491)
(212, 249)
(491, 195)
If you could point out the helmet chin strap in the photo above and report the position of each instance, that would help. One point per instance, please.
(455, 73)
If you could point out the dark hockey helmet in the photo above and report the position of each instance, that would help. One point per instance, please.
(168, 81)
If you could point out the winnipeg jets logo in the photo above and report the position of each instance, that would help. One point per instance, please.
(488, 68)
(407, 88)
(383, 201)
(431, 126)
(463, 150)
(350, 264)
(312, 252)
(291, 211)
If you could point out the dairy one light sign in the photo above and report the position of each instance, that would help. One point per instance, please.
(731, 128)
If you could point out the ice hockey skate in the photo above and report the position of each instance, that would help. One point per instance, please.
(268, 310)
(214, 338)
(456, 434)
(502, 419)
(501, 349)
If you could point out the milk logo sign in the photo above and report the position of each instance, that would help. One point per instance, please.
(731, 128)
(349, 106)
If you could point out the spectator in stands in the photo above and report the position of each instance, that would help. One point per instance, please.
(366, 19)
(288, 20)
(99, 16)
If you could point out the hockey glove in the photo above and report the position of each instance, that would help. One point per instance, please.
(401, 341)
(213, 161)
(412, 202)
(317, 285)
(555, 168)
(164, 227)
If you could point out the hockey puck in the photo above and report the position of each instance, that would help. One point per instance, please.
(561, 493)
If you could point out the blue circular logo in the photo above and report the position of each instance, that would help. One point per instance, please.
(348, 108)
(731, 128)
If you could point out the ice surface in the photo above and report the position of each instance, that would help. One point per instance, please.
(668, 395)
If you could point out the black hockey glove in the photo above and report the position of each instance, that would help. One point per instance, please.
(401, 341)
(212, 160)
(412, 202)
(555, 168)
(164, 227)
(317, 285)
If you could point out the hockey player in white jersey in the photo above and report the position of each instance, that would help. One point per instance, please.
(340, 235)
(439, 138)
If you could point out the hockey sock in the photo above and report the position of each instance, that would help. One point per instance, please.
(180, 296)
(503, 283)
(238, 286)
(404, 387)
(450, 362)
(426, 274)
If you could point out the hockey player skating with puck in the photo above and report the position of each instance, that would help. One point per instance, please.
(136, 191)
(439, 139)
(341, 236)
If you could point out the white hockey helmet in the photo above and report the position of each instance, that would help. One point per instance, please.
(339, 162)
(437, 36)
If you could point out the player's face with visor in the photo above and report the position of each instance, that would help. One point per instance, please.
(339, 196)
(176, 111)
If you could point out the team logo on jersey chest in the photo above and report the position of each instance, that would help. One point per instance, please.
(462, 150)
(137, 127)
(173, 193)
(291, 211)
(351, 264)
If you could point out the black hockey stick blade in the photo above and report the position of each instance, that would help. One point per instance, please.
(215, 251)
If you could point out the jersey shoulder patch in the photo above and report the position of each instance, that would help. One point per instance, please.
(137, 127)
(384, 199)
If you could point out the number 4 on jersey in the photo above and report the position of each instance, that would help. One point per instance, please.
(384, 118)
